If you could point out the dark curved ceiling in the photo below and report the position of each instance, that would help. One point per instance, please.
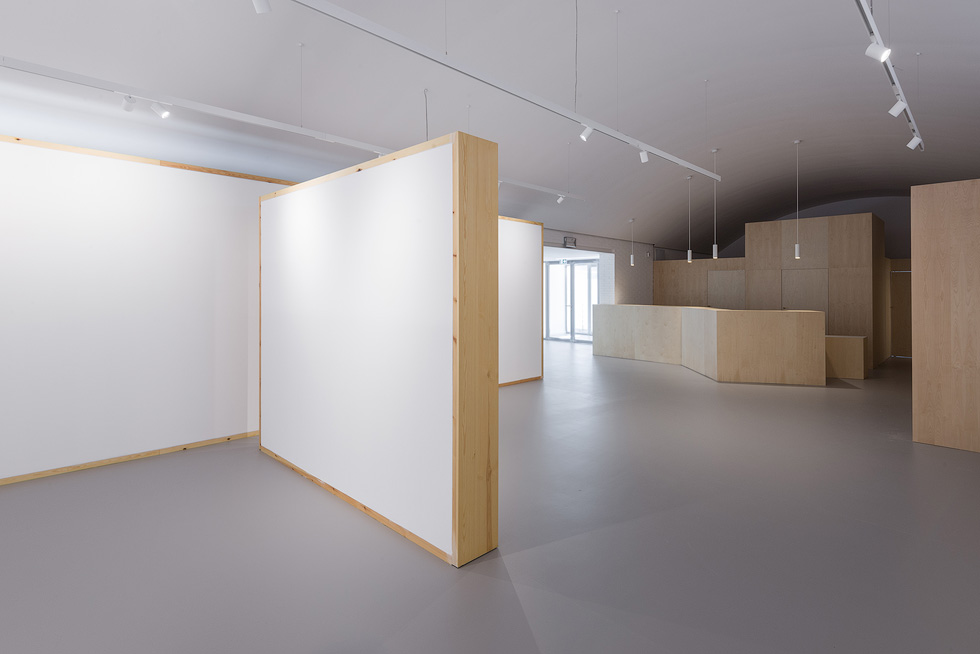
(776, 71)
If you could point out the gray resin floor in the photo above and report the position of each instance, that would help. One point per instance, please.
(643, 508)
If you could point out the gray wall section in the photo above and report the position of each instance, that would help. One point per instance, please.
(894, 210)
(634, 285)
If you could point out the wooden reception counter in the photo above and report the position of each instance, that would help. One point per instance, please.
(764, 347)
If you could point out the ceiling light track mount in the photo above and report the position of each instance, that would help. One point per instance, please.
(385, 34)
(882, 54)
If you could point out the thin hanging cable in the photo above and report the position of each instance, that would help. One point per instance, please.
(575, 99)
(300, 84)
(714, 169)
(688, 213)
(617, 69)
(797, 191)
(425, 92)
(706, 116)
(445, 26)
(631, 240)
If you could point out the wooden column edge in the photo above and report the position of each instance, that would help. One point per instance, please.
(421, 542)
(124, 458)
(521, 381)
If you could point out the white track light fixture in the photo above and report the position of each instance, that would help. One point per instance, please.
(898, 108)
(644, 156)
(689, 257)
(586, 133)
(128, 103)
(262, 6)
(796, 251)
(878, 52)
(160, 110)
(561, 198)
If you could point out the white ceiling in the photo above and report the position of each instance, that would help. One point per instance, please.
(777, 71)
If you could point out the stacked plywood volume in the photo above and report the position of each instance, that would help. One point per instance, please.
(842, 272)
(946, 314)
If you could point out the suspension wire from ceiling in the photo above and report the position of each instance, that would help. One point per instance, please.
(300, 84)
(706, 120)
(617, 69)
(425, 94)
(575, 98)
(445, 26)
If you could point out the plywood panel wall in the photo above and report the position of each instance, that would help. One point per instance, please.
(901, 313)
(726, 289)
(813, 244)
(762, 244)
(945, 314)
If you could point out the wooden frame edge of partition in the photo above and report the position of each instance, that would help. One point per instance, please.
(401, 154)
(475, 348)
(144, 160)
(529, 222)
(401, 531)
(124, 458)
(521, 381)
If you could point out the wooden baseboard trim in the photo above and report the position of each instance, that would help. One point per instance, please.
(424, 544)
(521, 381)
(122, 459)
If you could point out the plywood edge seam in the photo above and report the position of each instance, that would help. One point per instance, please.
(521, 220)
(144, 160)
(521, 381)
(124, 458)
(421, 542)
(401, 154)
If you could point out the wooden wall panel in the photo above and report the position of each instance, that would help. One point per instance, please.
(850, 305)
(945, 314)
(612, 330)
(881, 341)
(726, 289)
(792, 351)
(763, 289)
(762, 245)
(849, 239)
(806, 290)
(900, 288)
(680, 283)
(657, 334)
(699, 341)
(846, 357)
(904, 265)
(813, 243)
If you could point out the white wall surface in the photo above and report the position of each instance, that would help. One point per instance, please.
(127, 321)
(357, 339)
(519, 297)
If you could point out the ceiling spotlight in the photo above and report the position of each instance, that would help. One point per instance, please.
(899, 107)
(914, 143)
(878, 51)
(262, 6)
(586, 133)
(160, 110)
(561, 198)
(644, 157)
(128, 103)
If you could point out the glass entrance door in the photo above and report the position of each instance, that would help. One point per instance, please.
(571, 288)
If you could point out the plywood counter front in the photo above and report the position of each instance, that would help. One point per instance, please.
(763, 347)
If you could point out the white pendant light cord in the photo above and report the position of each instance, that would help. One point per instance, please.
(797, 191)
(714, 169)
(688, 212)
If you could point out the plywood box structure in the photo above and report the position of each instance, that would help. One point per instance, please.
(846, 357)
(842, 272)
(404, 428)
(946, 314)
(722, 344)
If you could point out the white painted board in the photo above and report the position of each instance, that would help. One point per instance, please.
(520, 304)
(357, 367)
(125, 322)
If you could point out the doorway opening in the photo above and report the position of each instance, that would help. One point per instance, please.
(571, 289)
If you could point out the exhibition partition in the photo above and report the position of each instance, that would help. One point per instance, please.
(129, 307)
(379, 371)
(521, 291)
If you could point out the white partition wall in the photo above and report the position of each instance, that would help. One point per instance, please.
(521, 302)
(127, 323)
(379, 372)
